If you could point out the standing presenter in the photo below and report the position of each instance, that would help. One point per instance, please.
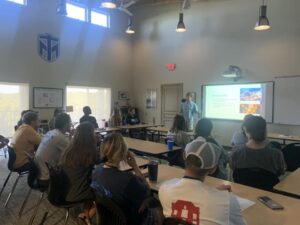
(188, 110)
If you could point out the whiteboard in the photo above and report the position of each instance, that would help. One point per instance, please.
(287, 100)
(47, 97)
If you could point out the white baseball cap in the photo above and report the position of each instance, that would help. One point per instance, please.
(208, 153)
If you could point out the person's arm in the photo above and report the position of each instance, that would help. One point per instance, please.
(281, 163)
(34, 138)
(235, 212)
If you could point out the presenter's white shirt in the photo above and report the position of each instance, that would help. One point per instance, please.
(199, 204)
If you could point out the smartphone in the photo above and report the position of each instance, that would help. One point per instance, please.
(270, 203)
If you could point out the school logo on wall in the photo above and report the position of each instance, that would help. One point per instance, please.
(48, 47)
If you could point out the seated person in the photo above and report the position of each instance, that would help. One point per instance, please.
(202, 204)
(257, 153)
(128, 190)
(51, 123)
(3, 141)
(203, 132)
(52, 147)
(177, 132)
(239, 137)
(116, 119)
(132, 118)
(20, 122)
(25, 140)
(77, 163)
(87, 118)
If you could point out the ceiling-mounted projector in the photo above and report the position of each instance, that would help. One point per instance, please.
(233, 72)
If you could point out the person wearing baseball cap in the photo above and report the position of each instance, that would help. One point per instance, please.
(190, 199)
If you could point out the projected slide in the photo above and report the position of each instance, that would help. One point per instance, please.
(236, 101)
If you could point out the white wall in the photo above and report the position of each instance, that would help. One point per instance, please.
(89, 55)
(219, 33)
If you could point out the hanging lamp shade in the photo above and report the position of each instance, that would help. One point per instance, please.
(130, 29)
(109, 4)
(263, 21)
(180, 25)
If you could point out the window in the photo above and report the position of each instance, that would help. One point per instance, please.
(14, 98)
(76, 11)
(99, 18)
(99, 99)
(21, 2)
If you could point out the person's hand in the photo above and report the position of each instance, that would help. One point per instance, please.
(224, 187)
(131, 160)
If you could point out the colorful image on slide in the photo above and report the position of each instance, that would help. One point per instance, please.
(250, 109)
(250, 94)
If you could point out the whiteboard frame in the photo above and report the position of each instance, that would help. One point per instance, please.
(37, 91)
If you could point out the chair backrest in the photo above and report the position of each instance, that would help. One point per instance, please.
(11, 158)
(291, 155)
(57, 189)
(255, 177)
(175, 221)
(108, 212)
(275, 144)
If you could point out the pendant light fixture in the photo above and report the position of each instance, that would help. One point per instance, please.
(109, 4)
(130, 29)
(263, 22)
(62, 8)
(180, 26)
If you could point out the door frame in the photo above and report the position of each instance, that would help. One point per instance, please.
(161, 97)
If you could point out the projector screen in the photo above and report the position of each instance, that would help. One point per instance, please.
(234, 101)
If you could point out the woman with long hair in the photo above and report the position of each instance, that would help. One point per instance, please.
(177, 132)
(129, 190)
(77, 163)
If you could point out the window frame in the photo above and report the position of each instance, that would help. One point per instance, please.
(99, 12)
(18, 3)
(89, 87)
(77, 4)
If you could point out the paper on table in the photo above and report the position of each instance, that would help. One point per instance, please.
(244, 203)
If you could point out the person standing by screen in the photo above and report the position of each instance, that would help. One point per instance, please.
(188, 110)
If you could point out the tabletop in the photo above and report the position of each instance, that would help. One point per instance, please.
(165, 130)
(148, 147)
(284, 137)
(138, 126)
(290, 184)
(107, 129)
(257, 214)
(139, 161)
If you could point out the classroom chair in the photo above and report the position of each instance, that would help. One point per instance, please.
(175, 221)
(255, 177)
(108, 212)
(57, 191)
(33, 185)
(10, 166)
(291, 155)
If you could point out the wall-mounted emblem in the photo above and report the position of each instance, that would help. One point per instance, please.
(48, 47)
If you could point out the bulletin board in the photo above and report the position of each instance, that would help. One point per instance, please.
(47, 97)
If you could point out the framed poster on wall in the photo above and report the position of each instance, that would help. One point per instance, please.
(151, 98)
(47, 97)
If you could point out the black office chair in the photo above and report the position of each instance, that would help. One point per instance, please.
(291, 155)
(255, 177)
(275, 144)
(10, 166)
(33, 184)
(175, 221)
(108, 212)
(58, 190)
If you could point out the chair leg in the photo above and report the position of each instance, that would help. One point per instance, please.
(24, 202)
(66, 217)
(36, 209)
(5, 182)
(12, 191)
